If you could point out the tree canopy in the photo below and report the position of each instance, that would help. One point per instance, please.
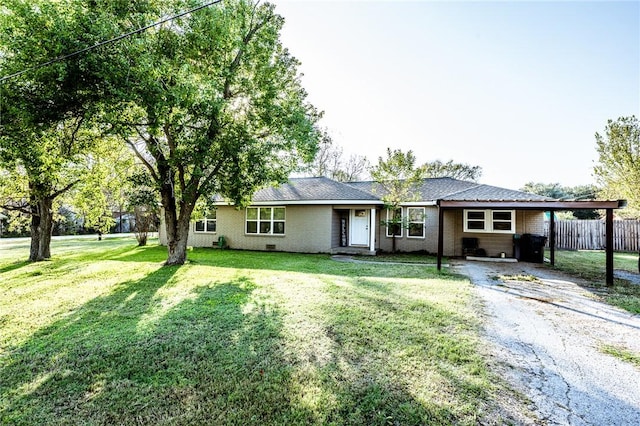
(47, 112)
(557, 191)
(618, 166)
(462, 171)
(398, 180)
(213, 104)
(210, 102)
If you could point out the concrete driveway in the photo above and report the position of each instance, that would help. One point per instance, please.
(546, 334)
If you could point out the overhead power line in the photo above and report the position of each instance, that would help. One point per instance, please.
(111, 41)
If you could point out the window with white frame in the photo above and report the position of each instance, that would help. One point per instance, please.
(394, 222)
(265, 220)
(496, 221)
(207, 224)
(415, 222)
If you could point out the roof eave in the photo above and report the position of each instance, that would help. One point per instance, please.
(304, 202)
(533, 204)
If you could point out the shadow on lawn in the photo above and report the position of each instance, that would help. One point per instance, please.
(278, 261)
(213, 358)
(386, 347)
(104, 364)
(13, 266)
(55, 372)
(218, 356)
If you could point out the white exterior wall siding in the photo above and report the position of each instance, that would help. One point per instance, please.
(315, 229)
(200, 239)
(196, 239)
(527, 222)
(410, 244)
(307, 230)
(532, 222)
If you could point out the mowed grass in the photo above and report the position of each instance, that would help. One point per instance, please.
(590, 265)
(622, 353)
(423, 258)
(104, 334)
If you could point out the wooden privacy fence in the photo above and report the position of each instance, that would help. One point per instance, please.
(590, 234)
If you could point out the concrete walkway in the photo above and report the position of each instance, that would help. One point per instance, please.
(351, 259)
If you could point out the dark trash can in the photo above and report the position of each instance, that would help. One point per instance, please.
(530, 248)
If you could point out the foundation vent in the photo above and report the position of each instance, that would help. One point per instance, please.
(270, 246)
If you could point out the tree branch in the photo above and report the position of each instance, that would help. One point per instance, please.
(22, 208)
(63, 189)
(227, 94)
(172, 153)
(213, 172)
(144, 161)
(74, 133)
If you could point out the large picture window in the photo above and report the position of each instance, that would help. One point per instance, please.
(265, 220)
(496, 221)
(394, 222)
(208, 224)
(415, 221)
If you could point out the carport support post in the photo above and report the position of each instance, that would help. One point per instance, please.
(552, 237)
(609, 247)
(440, 236)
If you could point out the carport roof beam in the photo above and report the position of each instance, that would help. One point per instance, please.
(533, 205)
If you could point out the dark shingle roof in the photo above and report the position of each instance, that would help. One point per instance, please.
(446, 188)
(432, 189)
(312, 189)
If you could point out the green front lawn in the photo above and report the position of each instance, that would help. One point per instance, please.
(590, 265)
(423, 258)
(104, 334)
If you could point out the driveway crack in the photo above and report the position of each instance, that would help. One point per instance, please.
(547, 333)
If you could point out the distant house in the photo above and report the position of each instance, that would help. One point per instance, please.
(320, 215)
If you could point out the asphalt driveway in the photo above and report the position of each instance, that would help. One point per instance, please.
(546, 333)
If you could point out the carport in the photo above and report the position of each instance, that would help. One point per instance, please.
(550, 206)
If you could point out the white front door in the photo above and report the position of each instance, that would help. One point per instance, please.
(359, 229)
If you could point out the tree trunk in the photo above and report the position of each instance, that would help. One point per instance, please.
(46, 226)
(177, 240)
(177, 227)
(34, 250)
(120, 218)
(40, 229)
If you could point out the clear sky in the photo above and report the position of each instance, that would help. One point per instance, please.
(518, 88)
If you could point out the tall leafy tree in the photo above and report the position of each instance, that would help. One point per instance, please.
(552, 190)
(398, 180)
(618, 166)
(105, 169)
(557, 191)
(213, 104)
(46, 111)
(42, 164)
(14, 200)
(462, 171)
